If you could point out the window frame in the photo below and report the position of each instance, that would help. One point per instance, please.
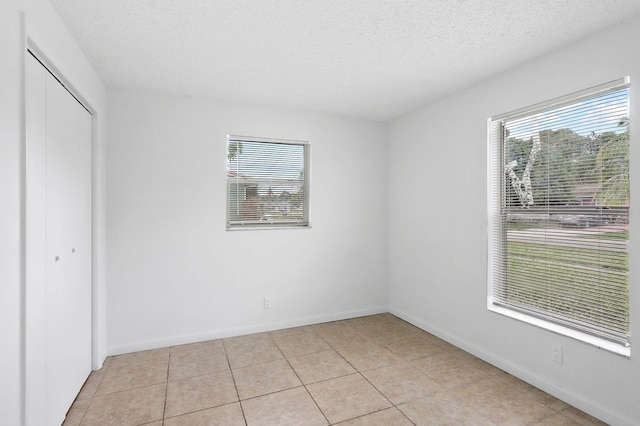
(497, 229)
(304, 223)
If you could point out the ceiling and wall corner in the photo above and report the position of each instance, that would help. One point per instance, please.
(375, 60)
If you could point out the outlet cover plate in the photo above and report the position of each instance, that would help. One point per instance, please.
(556, 353)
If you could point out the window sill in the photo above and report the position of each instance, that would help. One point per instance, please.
(267, 228)
(598, 342)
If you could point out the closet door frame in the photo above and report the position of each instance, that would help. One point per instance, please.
(33, 249)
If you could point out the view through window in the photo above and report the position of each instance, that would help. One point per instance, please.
(559, 209)
(267, 182)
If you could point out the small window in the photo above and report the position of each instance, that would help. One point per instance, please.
(559, 215)
(267, 183)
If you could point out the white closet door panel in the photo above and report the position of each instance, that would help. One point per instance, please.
(68, 247)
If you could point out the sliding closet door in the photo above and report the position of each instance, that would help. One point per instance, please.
(58, 246)
(68, 211)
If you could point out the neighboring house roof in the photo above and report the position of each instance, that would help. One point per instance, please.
(231, 173)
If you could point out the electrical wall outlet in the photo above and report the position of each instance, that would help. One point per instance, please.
(267, 303)
(556, 353)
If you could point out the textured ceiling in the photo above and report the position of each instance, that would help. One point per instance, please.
(374, 59)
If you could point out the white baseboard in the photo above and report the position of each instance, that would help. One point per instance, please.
(239, 331)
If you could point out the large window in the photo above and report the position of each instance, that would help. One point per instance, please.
(559, 209)
(267, 182)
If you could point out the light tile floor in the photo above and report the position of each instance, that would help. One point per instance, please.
(375, 370)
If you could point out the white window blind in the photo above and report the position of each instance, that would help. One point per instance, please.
(559, 210)
(267, 182)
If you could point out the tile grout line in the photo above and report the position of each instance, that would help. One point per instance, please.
(166, 387)
(235, 385)
(356, 372)
(307, 389)
(385, 397)
(88, 406)
(93, 395)
(199, 410)
(368, 381)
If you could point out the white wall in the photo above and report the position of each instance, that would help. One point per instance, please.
(438, 226)
(175, 273)
(44, 28)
